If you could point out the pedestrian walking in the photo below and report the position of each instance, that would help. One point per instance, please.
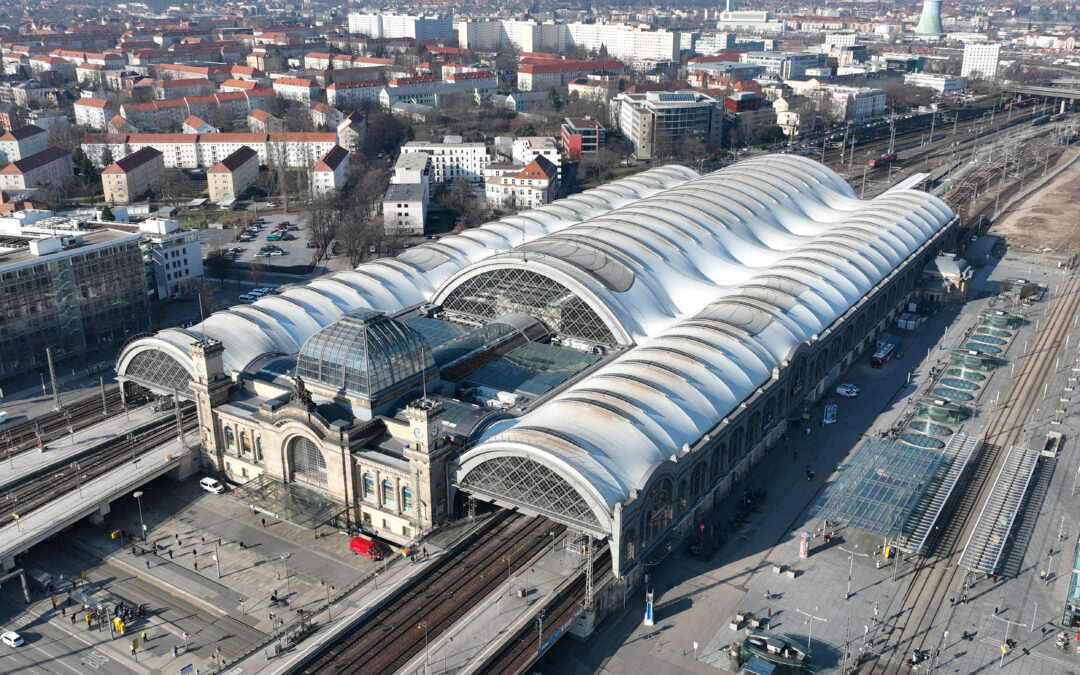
(196, 565)
(807, 433)
(72, 617)
(179, 543)
(769, 612)
(264, 522)
(63, 611)
(170, 554)
(241, 545)
(147, 564)
(194, 552)
(143, 637)
(175, 651)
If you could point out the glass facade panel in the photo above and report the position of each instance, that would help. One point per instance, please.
(406, 499)
(517, 291)
(388, 493)
(308, 463)
(364, 353)
(369, 486)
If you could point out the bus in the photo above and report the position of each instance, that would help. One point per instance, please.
(882, 355)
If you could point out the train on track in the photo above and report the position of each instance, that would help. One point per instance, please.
(882, 160)
(1022, 103)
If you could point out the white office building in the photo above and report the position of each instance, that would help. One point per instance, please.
(981, 60)
(944, 84)
(787, 65)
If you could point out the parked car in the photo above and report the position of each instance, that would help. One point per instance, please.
(271, 205)
(273, 237)
(293, 228)
(211, 485)
(277, 252)
(262, 254)
(288, 237)
(312, 244)
(847, 390)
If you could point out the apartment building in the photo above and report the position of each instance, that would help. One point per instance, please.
(260, 121)
(452, 159)
(543, 74)
(193, 151)
(330, 172)
(351, 132)
(527, 148)
(197, 125)
(405, 204)
(51, 165)
(582, 137)
(296, 89)
(170, 89)
(229, 178)
(94, 113)
(854, 103)
(351, 93)
(622, 41)
(655, 122)
(401, 26)
(593, 88)
(22, 142)
(170, 114)
(127, 179)
(523, 188)
(430, 90)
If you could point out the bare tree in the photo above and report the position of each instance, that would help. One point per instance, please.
(323, 226)
(218, 264)
(65, 136)
(256, 270)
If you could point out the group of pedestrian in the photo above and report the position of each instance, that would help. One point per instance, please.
(809, 474)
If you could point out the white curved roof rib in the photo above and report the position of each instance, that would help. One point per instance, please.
(393, 284)
(826, 250)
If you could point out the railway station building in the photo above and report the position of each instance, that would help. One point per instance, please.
(614, 361)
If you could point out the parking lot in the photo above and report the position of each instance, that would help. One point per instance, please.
(294, 252)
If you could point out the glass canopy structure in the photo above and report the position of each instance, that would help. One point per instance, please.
(364, 353)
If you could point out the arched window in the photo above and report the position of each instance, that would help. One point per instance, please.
(245, 444)
(258, 449)
(230, 438)
(369, 486)
(657, 509)
(406, 499)
(388, 493)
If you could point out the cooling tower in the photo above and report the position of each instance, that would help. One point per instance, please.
(930, 21)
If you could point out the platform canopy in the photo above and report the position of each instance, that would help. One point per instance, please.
(895, 489)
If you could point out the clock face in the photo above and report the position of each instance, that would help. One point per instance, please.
(199, 366)
(434, 432)
(418, 432)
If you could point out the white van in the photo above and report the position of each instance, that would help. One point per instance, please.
(211, 485)
(3, 417)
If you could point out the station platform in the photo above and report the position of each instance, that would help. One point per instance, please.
(90, 499)
(58, 452)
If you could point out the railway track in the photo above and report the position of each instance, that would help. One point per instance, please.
(937, 576)
(22, 436)
(37, 490)
(524, 649)
(388, 638)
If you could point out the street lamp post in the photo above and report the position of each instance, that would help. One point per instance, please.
(142, 525)
(810, 619)
(78, 476)
(288, 584)
(851, 567)
(131, 443)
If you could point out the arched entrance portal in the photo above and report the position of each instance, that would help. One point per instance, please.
(308, 465)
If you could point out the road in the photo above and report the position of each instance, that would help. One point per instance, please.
(50, 648)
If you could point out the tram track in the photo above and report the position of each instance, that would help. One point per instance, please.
(388, 638)
(938, 578)
(40, 488)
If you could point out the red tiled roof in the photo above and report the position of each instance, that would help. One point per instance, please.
(234, 161)
(332, 159)
(132, 161)
(35, 161)
(94, 103)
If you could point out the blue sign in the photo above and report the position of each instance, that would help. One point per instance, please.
(648, 609)
(830, 414)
